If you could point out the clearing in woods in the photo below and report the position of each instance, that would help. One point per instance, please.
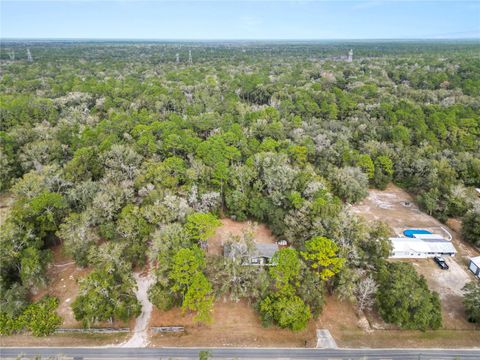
(63, 276)
(261, 234)
(397, 208)
(234, 323)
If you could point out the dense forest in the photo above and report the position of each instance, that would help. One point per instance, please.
(128, 154)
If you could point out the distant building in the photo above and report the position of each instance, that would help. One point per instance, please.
(350, 56)
(409, 248)
(29, 56)
(474, 266)
(260, 254)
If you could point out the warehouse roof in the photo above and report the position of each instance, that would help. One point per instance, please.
(428, 236)
(405, 244)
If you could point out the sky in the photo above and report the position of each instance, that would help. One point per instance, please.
(224, 19)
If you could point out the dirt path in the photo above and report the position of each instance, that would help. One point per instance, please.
(140, 336)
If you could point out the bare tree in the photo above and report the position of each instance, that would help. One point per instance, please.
(365, 292)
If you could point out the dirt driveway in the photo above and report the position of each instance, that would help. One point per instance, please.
(448, 284)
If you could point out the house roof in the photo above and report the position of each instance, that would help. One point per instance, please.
(265, 250)
(260, 250)
(405, 244)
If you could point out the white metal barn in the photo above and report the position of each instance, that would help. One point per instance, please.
(474, 266)
(407, 248)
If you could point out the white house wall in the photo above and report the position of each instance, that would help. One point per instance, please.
(403, 255)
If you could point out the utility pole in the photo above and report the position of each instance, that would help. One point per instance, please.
(177, 58)
(190, 57)
(29, 56)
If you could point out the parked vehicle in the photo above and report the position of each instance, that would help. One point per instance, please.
(441, 262)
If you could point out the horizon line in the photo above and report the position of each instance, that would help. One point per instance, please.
(239, 39)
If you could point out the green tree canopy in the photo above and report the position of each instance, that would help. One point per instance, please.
(403, 298)
(201, 226)
(199, 298)
(105, 296)
(286, 311)
(471, 226)
(471, 300)
(287, 270)
(322, 255)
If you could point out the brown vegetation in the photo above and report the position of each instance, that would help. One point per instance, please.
(234, 324)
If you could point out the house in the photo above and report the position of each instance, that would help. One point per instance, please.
(257, 254)
(474, 266)
(406, 248)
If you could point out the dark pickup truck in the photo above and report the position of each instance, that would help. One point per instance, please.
(441, 262)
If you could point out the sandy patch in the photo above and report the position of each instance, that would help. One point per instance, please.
(395, 207)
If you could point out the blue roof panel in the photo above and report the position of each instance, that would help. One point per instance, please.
(410, 232)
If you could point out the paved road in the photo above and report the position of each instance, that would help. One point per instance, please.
(239, 353)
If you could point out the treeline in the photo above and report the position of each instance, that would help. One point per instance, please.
(165, 51)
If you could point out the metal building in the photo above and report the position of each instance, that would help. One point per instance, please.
(474, 266)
